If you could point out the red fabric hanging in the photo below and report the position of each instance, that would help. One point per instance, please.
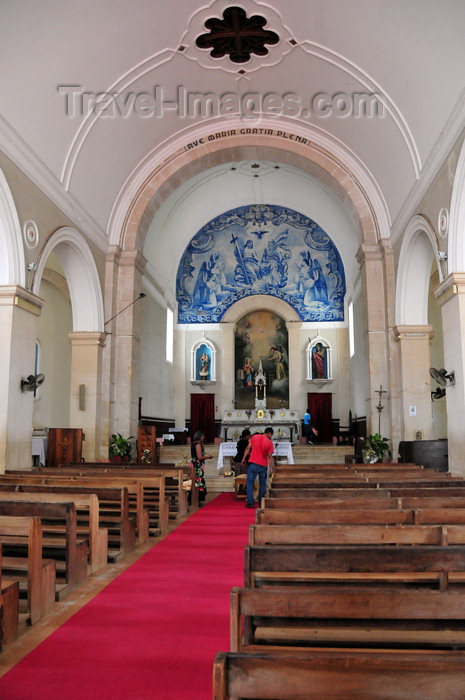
(321, 406)
(203, 415)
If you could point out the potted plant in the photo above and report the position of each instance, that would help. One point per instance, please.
(120, 447)
(376, 447)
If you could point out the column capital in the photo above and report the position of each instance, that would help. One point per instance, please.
(14, 295)
(87, 338)
(368, 253)
(452, 285)
(134, 258)
(411, 332)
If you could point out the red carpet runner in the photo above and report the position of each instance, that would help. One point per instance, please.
(154, 631)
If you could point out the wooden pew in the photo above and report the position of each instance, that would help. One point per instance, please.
(174, 477)
(370, 499)
(347, 617)
(285, 468)
(433, 565)
(87, 514)
(114, 515)
(86, 484)
(360, 516)
(67, 549)
(349, 675)
(9, 609)
(147, 494)
(367, 499)
(35, 574)
(331, 515)
(357, 534)
(398, 493)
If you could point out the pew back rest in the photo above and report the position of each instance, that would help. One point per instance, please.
(357, 534)
(264, 563)
(318, 674)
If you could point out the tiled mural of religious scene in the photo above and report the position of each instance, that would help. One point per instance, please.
(261, 341)
(260, 249)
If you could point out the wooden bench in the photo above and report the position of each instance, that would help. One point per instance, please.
(289, 564)
(240, 486)
(346, 493)
(174, 479)
(348, 617)
(87, 514)
(35, 574)
(28, 481)
(370, 499)
(114, 514)
(9, 609)
(360, 516)
(172, 487)
(67, 549)
(147, 498)
(357, 534)
(285, 468)
(351, 675)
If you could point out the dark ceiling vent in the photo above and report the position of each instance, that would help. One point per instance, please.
(237, 36)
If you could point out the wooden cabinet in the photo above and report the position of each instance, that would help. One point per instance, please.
(64, 446)
(146, 440)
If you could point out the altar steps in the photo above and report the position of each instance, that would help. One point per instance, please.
(303, 454)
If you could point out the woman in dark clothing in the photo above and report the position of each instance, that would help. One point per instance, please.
(198, 459)
(238, 467)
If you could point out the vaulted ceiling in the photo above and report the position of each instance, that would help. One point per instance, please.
(57, 57)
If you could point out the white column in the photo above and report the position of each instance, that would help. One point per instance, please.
(415, 383)
(227, 366)
(180, 377)
(125, 345)
(372, 265)
(297, 367)
(86, 394)
(451, 298)
(19, 310)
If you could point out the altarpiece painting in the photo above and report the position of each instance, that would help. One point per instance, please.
(261, 351)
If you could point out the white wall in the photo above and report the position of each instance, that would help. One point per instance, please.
(51, 408)
(156, 374)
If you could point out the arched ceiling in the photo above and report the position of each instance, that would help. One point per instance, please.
(409, 55)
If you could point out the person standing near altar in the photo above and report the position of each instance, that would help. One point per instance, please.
(260, 449)
(308, 427)
(198, 458)
(242, 444)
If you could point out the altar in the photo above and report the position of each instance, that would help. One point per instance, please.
(229, 449)
(284, 421)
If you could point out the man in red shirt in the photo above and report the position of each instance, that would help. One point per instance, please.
(260, 449)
